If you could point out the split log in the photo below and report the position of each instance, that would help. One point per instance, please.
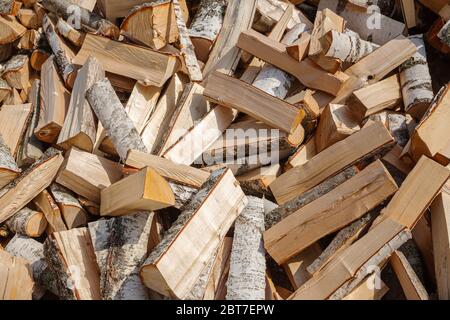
(87, 174)
(32, 149)
(46, 204)
(415, 80)
(17, 278)
(13, 124)
(386, 94)
(54, 103)
(142, 191)
(151, 23)
(327, 163)
(79, 127)
(11, 29)
(278, 214)
(180, 174)
(258, 104)
(349, 201)
(90, 206)
(303, 154)
(29, 18)
(206, 25)
(70, 33)
(299, 48)
(71, 210)
(5, 89)
(16, 72)
(65, 67)
(38, 58)
(147, 66)
(113, 9)
(27, 222)
(181, 236)
(430, 136)
(341, 241)
(336, 123)
(8, 167)
(71, 258)
(30, 39)
(345, 47)
(411, 285)
(120, 246)
(295, 268)
(246, 280)
(325, 21)
(256, 182)
(65, 9)
(109, 110)
(368, 290)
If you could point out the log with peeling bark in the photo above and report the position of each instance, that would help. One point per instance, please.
(72, 212)
(415, 80)
(70, 33)
(120, 246)
(28, 222)
(46, 204)
(246, 280)
(65, 9)
(109, 110)
(16, 71)
(8, 166)
(206, 25)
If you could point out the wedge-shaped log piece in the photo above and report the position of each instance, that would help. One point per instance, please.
(440, 224)
(79, 127)
(28, 222)
(71, 250)
(386, 94)
(172, 171)
(13, 124)
(194, 237)
(16, 195)
(147, 66)
(270, 11)
(411, 285)
(8, 167)
(335, 210)
(275, 53)
(87, 174)
(368, 290)
(16, 278)
(72, 212)
(431, 136)
(142, 191)
(295, 268)
(365, 143)
(54, 103)
(234, 93)
(325, 21)
(17, 72)
(45, 203)
(70, 33)
(336, 123)
(10, 29)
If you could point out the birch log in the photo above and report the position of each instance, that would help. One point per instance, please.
(71, 210)
(346, 47)
(112, 115)
(206, 26)
(66, 10)
(120, 246)
(415, 80)
(6, 6)
(186, 46)
(246, 280)
(65, 67)
(8, 167)
(444, 34)
(27, 222)
(70, 33)
(33, 251)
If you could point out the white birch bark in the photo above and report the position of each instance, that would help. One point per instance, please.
(112, 115)
(415, 80)
(348, 48)
(273, 80)
(18, 223)
(6, 6)
(246, 279)
(444, 34)
(370, 266)
(120, 246)
(7, 164)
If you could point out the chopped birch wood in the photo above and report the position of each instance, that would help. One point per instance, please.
(5, 89)
(71, 210)
(246, 279)
(256, 182)
(16, 71)
(303, 154)
(46, 204)
(13, 123)
(30, 40)
(29, 18)
(368, 290)
(113, 9)
(16, 278)
(295, 268)
(87, 174)
(70, 33)
(120, 246)
(444, 34)
(109, 110)
(79, 129)
(206, 25)
(299, 48)
(415, 80)
(220, 190)
(8, 166)
(65, 9)
(6, 6)
(325, 21)
(70, 256)
(54, 103)
(139, 63)
(28, 222)
(11, 30)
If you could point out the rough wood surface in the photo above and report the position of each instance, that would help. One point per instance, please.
(17, 280)
(27, 222)
(8, 166)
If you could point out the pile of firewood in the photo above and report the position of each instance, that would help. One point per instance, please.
(224, 149)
